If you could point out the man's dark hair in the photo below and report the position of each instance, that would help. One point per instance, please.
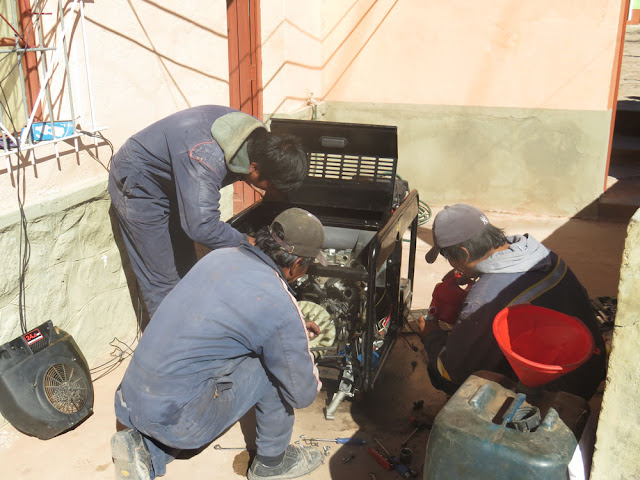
(280, 159)
(266, 243)
(478, 246)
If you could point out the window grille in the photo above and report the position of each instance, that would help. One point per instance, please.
(50, 116)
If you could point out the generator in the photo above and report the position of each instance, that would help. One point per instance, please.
(360, 300)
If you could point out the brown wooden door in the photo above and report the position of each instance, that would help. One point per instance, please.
(245, 74)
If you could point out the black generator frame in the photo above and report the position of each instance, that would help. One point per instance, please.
(352, 184)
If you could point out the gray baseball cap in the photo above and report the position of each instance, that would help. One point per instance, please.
(303, 234)
(231, 132)
(453, 225)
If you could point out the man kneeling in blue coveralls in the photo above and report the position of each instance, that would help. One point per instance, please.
(228, 337)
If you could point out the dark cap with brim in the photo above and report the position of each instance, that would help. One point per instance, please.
(303, 234)
(454, 225)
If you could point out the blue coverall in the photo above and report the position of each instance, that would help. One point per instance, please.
(165, 186)
(229, 336)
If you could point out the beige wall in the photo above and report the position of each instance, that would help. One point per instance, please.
(501, 159)
(502, 104)
(544, 54)
(147, 60)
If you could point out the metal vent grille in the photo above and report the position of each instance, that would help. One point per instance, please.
(66, 388)
(351, 167)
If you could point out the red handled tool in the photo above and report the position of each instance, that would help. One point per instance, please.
(380, 459)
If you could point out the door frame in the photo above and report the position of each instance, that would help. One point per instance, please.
(245, 74)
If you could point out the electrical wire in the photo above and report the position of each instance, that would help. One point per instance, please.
(119, 353)
(424, 210)
(24, 246)
(104, 139)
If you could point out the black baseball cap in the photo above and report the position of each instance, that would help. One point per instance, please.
(303, 234)
(453, 225)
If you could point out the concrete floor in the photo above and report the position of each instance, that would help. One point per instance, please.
(592, 249)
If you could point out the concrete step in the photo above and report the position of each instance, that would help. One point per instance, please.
(626, 142)
(625, 149)
(627, 118)
(621, 199)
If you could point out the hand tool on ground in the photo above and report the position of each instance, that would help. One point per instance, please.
(340, 440)
(419, 427)
(395, 462)
(405, 455)
(348, 458)
(379, 458)
(219, 447)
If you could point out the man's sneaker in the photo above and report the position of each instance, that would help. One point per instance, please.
(130, 456)
(298, 461)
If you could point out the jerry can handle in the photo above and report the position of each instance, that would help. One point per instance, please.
(513, 408)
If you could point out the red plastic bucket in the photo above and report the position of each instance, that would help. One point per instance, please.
(541, 344)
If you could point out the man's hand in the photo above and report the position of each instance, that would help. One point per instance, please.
(313, 330)
(426, 326)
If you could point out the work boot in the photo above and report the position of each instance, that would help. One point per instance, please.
(298, 461)
(130, 456)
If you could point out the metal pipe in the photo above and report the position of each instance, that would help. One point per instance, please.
(337, 399)
(5, 135)
(367, 340)
(29, 147)
(4, 129)
(66, 65)
(43, 58)
(25, 50)
(48, 75)
(23, 82)
(86, 64)
(413, 247)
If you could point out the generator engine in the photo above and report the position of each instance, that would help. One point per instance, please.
(359, 299)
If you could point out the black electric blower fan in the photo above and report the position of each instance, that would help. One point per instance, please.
(45, 384)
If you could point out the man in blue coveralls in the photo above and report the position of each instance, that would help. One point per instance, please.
(165, 186)
(229, 336)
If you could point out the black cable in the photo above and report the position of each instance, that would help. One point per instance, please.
(24, 246)
(110, 365)
(424, 210)
(103, 138)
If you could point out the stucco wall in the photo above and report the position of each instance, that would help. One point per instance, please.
(490, 110)
(75, 276)
(146, 61)
(509, 159)
(618, 442)
(503, 54)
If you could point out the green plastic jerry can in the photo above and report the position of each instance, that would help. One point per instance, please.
(488, 431)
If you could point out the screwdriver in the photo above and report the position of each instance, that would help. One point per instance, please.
(340, 440)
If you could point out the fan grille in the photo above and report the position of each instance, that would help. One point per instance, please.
(66, 388)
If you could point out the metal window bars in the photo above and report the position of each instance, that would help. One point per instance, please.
(59, 55)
